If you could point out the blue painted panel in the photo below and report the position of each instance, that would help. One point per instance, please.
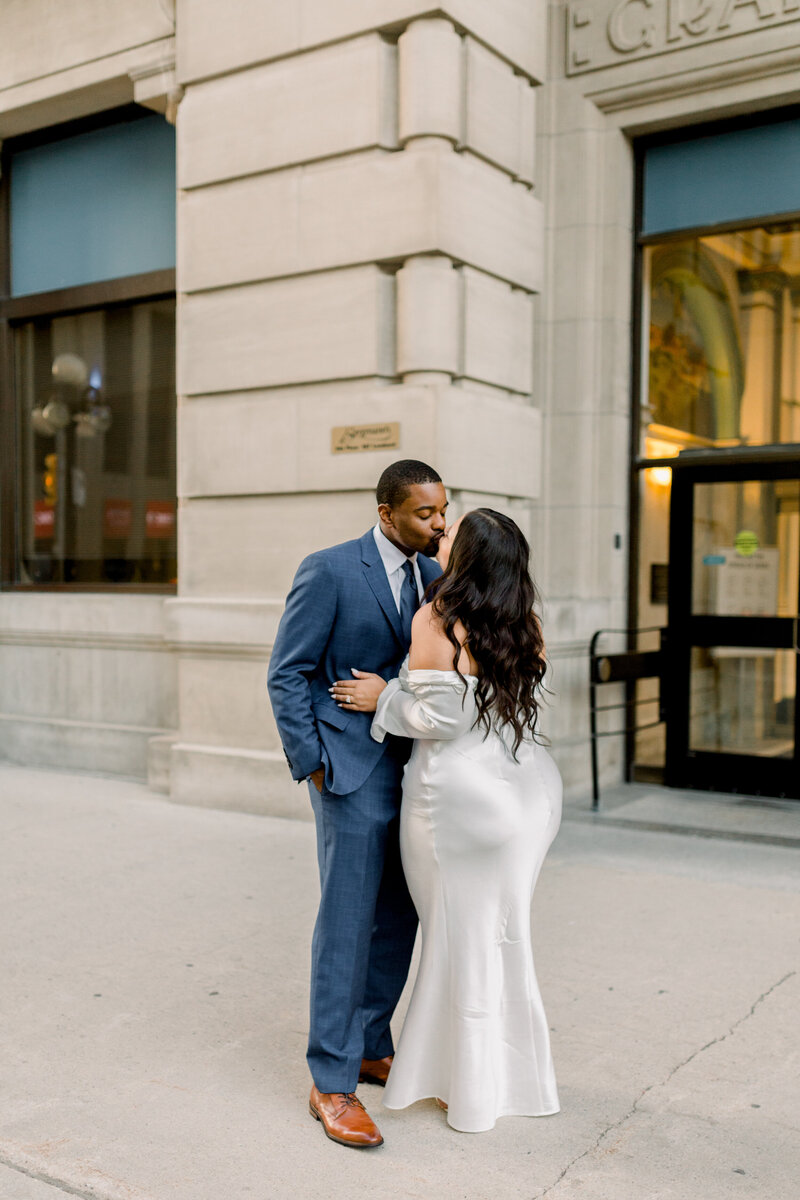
(732, 176)
(99, 205)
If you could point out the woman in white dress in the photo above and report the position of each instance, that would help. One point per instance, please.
(481, 805)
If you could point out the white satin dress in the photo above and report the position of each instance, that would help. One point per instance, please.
(474, 830)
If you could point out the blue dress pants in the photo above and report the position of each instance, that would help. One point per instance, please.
(366, 924)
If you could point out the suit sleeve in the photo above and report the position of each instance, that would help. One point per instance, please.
(300, 643)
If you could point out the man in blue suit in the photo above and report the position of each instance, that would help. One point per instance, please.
(354, 603)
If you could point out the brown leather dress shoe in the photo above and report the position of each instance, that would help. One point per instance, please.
(375, 1070)
(344, 1119)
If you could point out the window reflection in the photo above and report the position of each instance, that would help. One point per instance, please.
(97, 446)
(742, 701)
(745, 545)
(723, 359)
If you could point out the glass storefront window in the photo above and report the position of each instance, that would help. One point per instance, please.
(722, 314)
(96, 204)
(87, 387)
(96, 446)
(742, 701)
(745, 548)
(720, 369)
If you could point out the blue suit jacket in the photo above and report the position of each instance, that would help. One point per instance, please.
(339, 614)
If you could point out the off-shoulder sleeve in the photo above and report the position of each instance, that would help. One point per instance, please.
(424, 704)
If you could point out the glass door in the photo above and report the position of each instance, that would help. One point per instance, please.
(732, 713)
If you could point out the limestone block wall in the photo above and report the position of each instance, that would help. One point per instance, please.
(584, 332)
(360, 242)
(63, 61)
(87, 682)
(41, 38)
(216, 40)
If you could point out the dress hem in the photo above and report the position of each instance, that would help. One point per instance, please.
(549, 1112)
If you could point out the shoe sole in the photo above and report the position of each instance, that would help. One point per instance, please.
(372, 1079)
(343, 1141)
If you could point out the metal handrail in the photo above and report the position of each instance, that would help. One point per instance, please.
(633, 665)
(627, 703)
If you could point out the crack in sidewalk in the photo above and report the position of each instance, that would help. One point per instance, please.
(26, 1165)
(662, 1083)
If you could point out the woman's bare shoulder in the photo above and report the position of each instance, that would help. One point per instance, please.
(431, 649)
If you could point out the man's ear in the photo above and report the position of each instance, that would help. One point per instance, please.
(385, 514)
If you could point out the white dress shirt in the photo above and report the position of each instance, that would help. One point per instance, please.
(394, 560)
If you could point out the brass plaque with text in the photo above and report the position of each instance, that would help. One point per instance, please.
(349, 439)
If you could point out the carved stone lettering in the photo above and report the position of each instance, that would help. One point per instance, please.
(688, 16)
(619, 31)
(628, 27)
(765, 9)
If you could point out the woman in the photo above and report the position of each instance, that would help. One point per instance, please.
(481, 805)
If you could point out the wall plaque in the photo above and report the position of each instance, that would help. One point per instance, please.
(348, 439)
(659, 583)
(604, 33)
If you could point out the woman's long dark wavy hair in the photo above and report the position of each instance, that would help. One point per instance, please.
(488, 587)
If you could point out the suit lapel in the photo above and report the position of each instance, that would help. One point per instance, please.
(375, 575)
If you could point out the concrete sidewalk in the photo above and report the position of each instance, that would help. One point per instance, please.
(153, 1022)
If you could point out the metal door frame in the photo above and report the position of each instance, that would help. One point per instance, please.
(707, 770)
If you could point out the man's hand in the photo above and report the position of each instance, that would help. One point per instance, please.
(318, 778)
(359, 695)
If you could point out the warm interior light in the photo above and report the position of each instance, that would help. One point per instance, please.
(660, 476)
(657, 448)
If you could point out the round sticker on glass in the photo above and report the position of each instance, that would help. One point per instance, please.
(746, 542)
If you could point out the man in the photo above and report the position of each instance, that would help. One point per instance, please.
(353, 604)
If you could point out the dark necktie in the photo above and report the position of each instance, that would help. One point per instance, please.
(409, 600)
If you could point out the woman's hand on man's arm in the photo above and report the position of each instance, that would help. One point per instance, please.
(360, 694)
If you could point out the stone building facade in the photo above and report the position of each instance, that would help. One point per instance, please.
(394, 224)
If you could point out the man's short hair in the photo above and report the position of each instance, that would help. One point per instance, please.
(397, 480)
